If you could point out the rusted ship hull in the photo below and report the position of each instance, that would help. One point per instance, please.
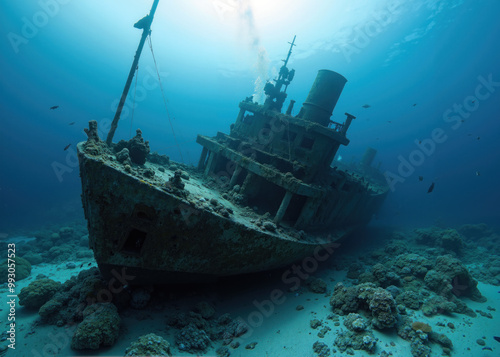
(163, 238)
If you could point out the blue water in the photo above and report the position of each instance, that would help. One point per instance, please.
(76, 55)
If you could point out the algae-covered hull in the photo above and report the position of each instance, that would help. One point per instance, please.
(162, 237)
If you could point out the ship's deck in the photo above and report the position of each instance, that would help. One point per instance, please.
(207, 194)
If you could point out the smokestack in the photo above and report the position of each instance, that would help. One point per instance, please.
(323, 97)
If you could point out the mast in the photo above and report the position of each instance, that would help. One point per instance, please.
(286, 76)
(290, 52)
(276, 97)
(145, 25)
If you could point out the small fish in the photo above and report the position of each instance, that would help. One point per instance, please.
(54, 107)
(366, 106)
(463, 121)
(421, 178)
(89, 264)
(431, 187)
(495, 337)
(414, 104)
(67, 147)
(81, 265)
(478, 138)
(420, 141)
(487, 348)
(478, 173)
(72, 123)
(473, 101)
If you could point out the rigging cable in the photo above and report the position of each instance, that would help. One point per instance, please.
(164, 99)
(133, 104)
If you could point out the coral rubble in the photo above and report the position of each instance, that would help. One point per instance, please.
(100, 327)
(38, 293)
(149, 345)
